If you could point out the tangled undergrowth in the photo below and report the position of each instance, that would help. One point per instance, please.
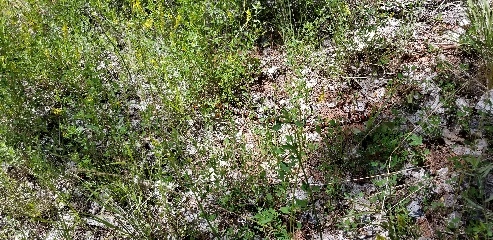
(246, 119)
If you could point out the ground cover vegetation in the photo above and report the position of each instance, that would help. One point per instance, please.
(243, 119)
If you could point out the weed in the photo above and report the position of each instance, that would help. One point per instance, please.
(480, 34)
(476, 172)
(145, 120)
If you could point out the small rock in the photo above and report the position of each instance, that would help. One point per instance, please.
(272, 70)
(314, 136)
(435, 104)
(464, 22)
(415, 209)
(454, 220)
(331, 104)
(442, 187)
(416, 117)
(453, 36)
(481, 144)
(419, 174)
(326, 43)
(361, 204)
(442, 171)
(309, 217)
(462, 104)
(54, 234)
(428, 86)
(451, 137)
(485, 103)
(306, 71)
(476, 150)
(449, 200)
(360, 106)
(312, 82)
(300, 194)
(108, 218)
(378, 94)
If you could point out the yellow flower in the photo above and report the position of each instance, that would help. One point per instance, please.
(77, 53)
(65, 30)
(321, 98)
(346, 10)
(177, 21)
(148, 23)
(57, 111)
(249, 15)
(136, 6)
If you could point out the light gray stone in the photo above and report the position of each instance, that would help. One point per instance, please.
(415, 209)
(485, 103)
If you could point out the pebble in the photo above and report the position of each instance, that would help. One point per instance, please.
(415, 209)
(485, 103)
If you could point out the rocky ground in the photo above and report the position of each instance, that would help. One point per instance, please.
(431, 47)
(330, 86)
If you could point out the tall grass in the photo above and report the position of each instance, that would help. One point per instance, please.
(481, 33)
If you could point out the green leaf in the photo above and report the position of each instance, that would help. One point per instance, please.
(301, 203)
(264, 221)
(485, 170)
(305, 186)
(426, 152)
(380, 238)
(285, 210)
(276, 127)
(416, 140)
(332, 123)
(279, 151)
(285, 167)
(410, 98)
(288, 147)
(299, 124)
